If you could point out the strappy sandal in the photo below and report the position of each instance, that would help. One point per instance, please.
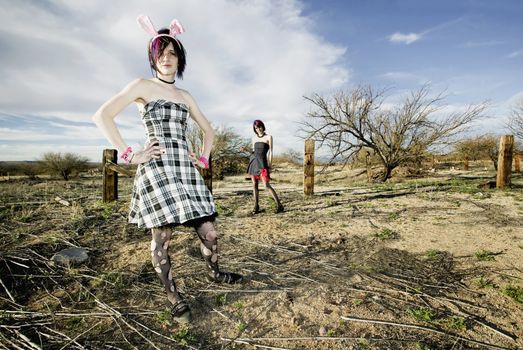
(256, 210)
(226, 277)
(181, 312)
(280, 208)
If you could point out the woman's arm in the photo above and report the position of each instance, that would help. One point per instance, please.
(203, 123)
(270, 151)
(105, 115)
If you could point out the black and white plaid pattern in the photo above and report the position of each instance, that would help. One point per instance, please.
(168, 190)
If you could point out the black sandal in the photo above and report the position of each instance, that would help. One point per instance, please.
(181, 312)
(280, 208)
(256, 210)
(226, 277)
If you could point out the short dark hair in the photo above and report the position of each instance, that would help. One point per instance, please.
(159, 44)
(258, 123)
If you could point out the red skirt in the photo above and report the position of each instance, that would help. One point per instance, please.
(264, 175)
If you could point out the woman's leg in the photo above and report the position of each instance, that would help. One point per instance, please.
(255, 193)
(209, 249)
(162, 265)
(272, 192)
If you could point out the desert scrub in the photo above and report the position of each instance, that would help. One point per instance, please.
(105, 209)
(422, 314)
(184, 336)
(26, 215)
(223, 210)
(455, 322)
(393, 216)
(514, 292)
(433, 253)
(357, 302)
(241, 326)
(485, 255)
(484, 283)
(385, 233)
(220, 299)
(115, 279)
(163, 317)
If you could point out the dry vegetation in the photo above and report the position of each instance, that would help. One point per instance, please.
(417, 263)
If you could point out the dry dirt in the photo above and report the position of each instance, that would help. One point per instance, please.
(419, 263)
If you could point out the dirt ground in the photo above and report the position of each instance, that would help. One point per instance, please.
(432, 262)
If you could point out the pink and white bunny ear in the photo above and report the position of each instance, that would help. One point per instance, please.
(146, 24)
(175, 28)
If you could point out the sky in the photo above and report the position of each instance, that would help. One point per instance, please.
(257, 59)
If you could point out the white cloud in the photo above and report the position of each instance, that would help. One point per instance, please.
(515, 54)
(246, 60)
(405, 38)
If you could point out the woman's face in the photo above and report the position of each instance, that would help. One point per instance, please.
(167, 62)
(259, 129)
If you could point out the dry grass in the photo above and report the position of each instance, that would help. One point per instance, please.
(357, 266)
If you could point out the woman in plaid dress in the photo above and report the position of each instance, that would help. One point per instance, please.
(168, 189)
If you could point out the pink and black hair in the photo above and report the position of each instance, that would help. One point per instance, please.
(159, 44)
(258, 123)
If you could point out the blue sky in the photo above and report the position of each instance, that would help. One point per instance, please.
(60, 60)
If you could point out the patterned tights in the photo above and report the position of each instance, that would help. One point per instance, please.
(208, 247)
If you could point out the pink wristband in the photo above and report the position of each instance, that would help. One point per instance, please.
(204, 161)
(127, 155)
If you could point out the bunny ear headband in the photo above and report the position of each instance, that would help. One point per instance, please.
(145, 23)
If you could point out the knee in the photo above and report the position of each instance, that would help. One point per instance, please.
(211, 235)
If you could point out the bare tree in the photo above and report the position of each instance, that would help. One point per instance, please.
(481, 147)
(347, 122)
(227, 154)
(515, 123)
(66, 165)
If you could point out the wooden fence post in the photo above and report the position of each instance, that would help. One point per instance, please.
(466, 164)
(110, 177)
(506, 145)
(308, 168)
(368, 166)
(207, 175)
(517, 162)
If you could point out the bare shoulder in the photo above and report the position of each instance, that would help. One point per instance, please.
(189, 100)
(186, 96)
(142, 90)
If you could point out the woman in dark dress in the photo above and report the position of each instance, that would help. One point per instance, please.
(260, 163)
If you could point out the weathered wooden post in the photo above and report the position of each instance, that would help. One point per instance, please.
(517, 162)
(506, 145)
(308, 168)
(207, 175)
(466, 164)
(110, 177)
(368, 166)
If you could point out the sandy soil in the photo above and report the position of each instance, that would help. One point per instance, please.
(431, 257)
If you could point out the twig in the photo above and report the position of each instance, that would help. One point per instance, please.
(119, 316)
(239, 341)
(7, 291)
(65, 336)
(79, 335)
(245, 290)
(428, 329)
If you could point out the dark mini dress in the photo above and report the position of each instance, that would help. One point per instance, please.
(258, 165)
(168, 190)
